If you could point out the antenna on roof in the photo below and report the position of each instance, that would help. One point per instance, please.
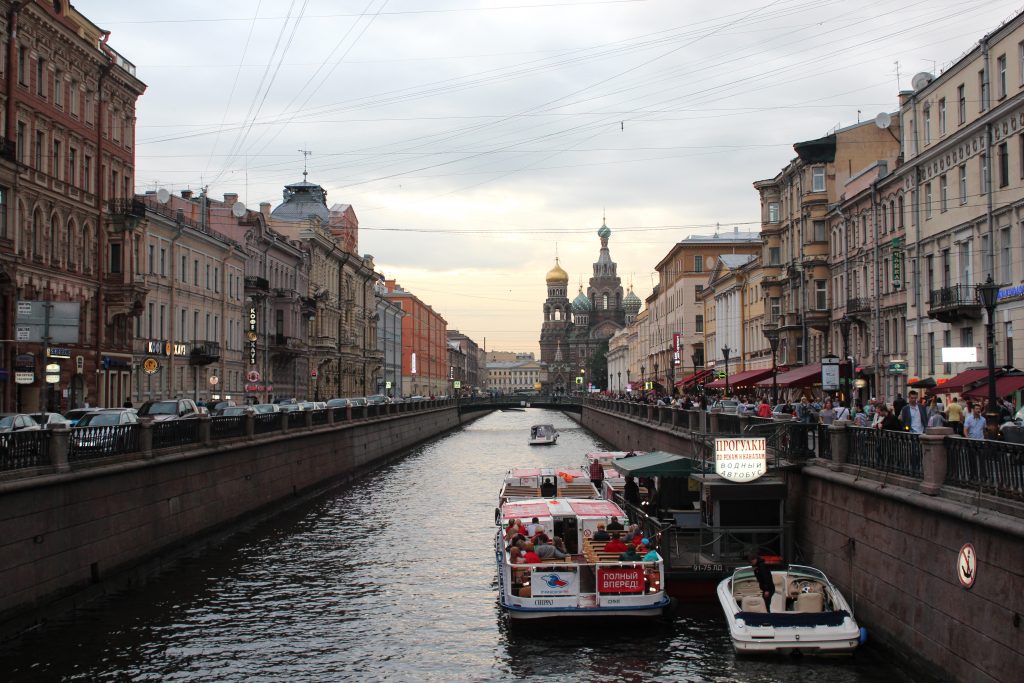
(305, 157)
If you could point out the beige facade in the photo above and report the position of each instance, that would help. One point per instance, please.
(511, 376)
(734, 313)
(963, 180)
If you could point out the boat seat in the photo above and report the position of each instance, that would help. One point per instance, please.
(780, 583)
(809, 602)
(778, 603)
(753, 603)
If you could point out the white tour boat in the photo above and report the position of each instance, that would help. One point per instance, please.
(546, 482)
(588, 581)
(808, 613)
(541, 435)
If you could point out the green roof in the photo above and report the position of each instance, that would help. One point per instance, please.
(657, 464)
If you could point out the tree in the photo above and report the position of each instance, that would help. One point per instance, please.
(599, 366)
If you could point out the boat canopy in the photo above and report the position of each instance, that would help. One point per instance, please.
(657, 464)
(561, 507)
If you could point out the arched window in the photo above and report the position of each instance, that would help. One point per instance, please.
(604, 301)
(37, 228)
(54, 241)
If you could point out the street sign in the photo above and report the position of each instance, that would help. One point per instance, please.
(830, 373)
(149, 366)
(967, 565)
(897, 367)
(387, 385)
(579, 380)
(456, 384)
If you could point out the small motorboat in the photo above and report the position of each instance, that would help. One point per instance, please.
(543, 435)
(808, 614)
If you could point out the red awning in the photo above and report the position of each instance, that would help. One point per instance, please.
(747, 378)
(1004, 387)
(804, 376)
(966, 378)
(694, 378)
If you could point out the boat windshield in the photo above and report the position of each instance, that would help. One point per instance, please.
(803, 570)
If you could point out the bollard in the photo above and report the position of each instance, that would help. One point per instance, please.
(308, 415)
(284, 422)
(205, 439)
(676, 415)
(838, 431)
(146, 436)
(933, 459)
(60, 437)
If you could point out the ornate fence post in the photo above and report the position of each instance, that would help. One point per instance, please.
(60, 437)
(839, 433)
(284, 422)
(933, 459)
(146, 436)
(205, 438)
(308, 415)
(676, 414)
(330, 416)
(713, 422)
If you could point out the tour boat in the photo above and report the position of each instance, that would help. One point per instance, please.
(587, 582)
(808, 614)
(546, 482)
(542, 435)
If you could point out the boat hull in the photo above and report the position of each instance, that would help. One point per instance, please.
(652, 611)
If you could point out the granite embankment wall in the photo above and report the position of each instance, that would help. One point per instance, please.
(64, 538)
(892, 550)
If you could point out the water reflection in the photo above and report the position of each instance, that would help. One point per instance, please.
(390, 578)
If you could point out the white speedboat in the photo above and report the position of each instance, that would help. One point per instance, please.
(543, 435)
(808, 614)
(588, 581)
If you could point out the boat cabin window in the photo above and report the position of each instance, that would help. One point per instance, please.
(568, 529)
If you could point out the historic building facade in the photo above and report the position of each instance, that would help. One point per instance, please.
(424, 344)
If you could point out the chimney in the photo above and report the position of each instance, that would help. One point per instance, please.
(230, 198)
(265, 208)
(186, 194)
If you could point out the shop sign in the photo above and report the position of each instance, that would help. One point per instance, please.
(456, 384)
(58, 352)
(253, 376)
(620, 580)
(177, 349)
(158, 348)
(23, 334)
(897, 367)
(258, 388)
(214, 380)
(830, 373)
(79, 364)
(52, 373)
(25, 362)
(149, 366)
(252, 336)
(897, 268)
(741, 458)
(24, 377)
(553, 583)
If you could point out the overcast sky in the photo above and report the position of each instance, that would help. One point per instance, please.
(475, 138)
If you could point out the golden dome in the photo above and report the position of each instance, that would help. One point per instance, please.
(557, 276)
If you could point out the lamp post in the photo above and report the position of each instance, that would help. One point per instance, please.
(844, 329)
(655, 373)
(725, 354)
(772, 335)
(628, 385)
(643, 381)
(988, 293)
(620, 380)
(694, 358)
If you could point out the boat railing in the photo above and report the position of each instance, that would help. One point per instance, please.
(719, 545)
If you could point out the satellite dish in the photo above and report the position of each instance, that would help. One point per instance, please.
(238, 209)
(163, 196)
(921, 80)
(883, 120)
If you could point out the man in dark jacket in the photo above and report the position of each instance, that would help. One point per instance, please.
(889, 421)
(914, 422)
(764, 580)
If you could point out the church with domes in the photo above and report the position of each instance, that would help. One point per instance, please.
(574, 333)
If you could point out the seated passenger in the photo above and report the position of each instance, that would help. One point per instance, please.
(545, 550)
(601, 534)
(513, 528)
(529, 556)
(615, 545)
(560, 545)
(548, 489)
(531, 528)
(630, 555)
(615, 525)
(540, 532)
(648, 551)
(633, 535)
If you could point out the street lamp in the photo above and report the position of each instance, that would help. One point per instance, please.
(725, 354)
(772, 335)
(655, 373)
(844, 329)
(628, 385)
(643, 381)
(620, 380)
(694, 358)
(988, 293)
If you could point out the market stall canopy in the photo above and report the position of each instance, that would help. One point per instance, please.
(747, 378)
(1004, 387)
(805, 376)
(694, 378)
(656, 464)
(966, 378)
(927, 383)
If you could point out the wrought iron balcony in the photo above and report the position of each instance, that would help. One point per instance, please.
(204, 353)
(254, 283)
(858, 304)
(281, 344)
(8, 150)
(126, 207)
(955, 303)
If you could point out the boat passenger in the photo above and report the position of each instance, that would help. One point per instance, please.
(615, 524)
(630, 555)
(615, 545)
(548, 488)
(648, 551)
(601, 534)
(517, 542)
(633, 535)
(529, 556)
(540, 532)
(513, 528)
(560, 545)
(545, 550)
(531, 528)
(631, 492)
(764, 580)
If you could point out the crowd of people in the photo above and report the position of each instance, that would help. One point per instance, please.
(530, 543)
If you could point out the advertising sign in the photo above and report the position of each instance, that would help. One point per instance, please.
(549, 583)
(959, 354)
(830, 373)
(620, 580)
(150, 365)
(252, 336)
(897, 367)
(741, 458)
(24, 377)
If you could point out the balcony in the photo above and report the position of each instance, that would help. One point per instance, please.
(284, 346)
(125, 214)
(858, 306)
(323, 342)
(255, 284)
(955, 303)
(204, 353)
(818, 319)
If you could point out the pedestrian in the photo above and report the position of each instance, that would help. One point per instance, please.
(898, 403)
(127, 403)
(827, 414)
(974, 425)
(886, 420)
(955, 417)
(913, 415)
(765, 582)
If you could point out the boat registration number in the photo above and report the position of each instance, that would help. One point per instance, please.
(707, 567)
(611, 601)
(541, 603)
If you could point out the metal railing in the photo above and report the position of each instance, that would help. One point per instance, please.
(719, 545)
(824, 443)
(320, 417)
(340, 414)
(85, 443)
(889, 451)
(268, 422)
(175, 433)
(227, 427)
(24, 449)
(954, 297)
(728, 423)
(992, 466)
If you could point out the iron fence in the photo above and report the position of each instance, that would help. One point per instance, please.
(19, 450)
(340, 414)
(268, 422)
(993, 466)
(824, 442)
(319, 417)
(728, 423)
(889, 451)
(86, 443)
(227, 427)
(175, 433)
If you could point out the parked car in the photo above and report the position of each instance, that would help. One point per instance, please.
(86, 437)
(291, 408)
(74, 415)
(339, 403)
(357, 401)
(727, 405)
(262, 408)
(220, 406)
(173, 409)
(236, 411)
(376, 399)
(47, 420)
(108, 417)
(17, 422)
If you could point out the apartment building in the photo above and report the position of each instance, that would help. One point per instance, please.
(424, 344)
(734, 314)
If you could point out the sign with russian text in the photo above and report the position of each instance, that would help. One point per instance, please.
(252, 335)
(548, 583)
(621, 580)
(741, 459)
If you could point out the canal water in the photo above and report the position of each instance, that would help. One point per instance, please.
(389, 578)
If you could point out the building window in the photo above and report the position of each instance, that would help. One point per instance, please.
(699, 324)
(72, 160)
(87, 174)
(928, 200)
(40, 144)
(1008, 336)
(22, 58)
(697, 289)
(163, 261)
(1001, 76)
(774, 256)
(1004, 164)
(774, 309)
(195, 272)
(963, 183)
(947, 341)
(982, 90)
(927, 124)
(73, 99)
(943, 192)
(184, 268)
(942, 117)
(41, 77)
(820, 295)
(56, 158)
(983, 162)
(698, 264)
(20, 142)
(966, 336)
(152, 259)
(1005, 273)
(819, 231)
(818, 179)
(773, 212)
(115, 257)
(3, 212)
(931, 353)
(149, 322)
(58, 88)
(961, 104)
